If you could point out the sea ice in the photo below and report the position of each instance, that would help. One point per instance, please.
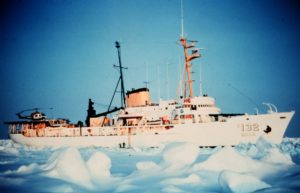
(179, 167)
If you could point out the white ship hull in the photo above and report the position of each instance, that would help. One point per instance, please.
(238, 129)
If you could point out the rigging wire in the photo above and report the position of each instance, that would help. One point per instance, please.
(243, 94)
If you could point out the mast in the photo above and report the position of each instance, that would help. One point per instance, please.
(188, 58)
(123, 100)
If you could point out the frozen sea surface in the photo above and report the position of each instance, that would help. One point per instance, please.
(177, 167)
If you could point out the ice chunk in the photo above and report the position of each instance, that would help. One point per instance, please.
(28, 169)
(268, 152)
(6, 143)
(227, 159)
(257, 150)
(24, 169)
(232, 182)
(254, 152)
(263, 144)
(290, 145)
(69, 166)
(179, 155)
(9, 150)
(147, 165)
(99, 165)
(277, 157)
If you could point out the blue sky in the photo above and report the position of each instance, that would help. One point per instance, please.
(59, 53)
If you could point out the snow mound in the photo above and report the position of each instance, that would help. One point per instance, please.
(99, 165)
(179, 155)
(227, 159)
(232, 182)
(69, 166)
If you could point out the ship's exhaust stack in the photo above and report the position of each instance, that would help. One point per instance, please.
(90, 112)
(139, 97)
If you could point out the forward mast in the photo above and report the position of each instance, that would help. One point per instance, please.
(188, 45)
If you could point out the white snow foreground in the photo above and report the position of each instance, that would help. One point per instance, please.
(178, 167)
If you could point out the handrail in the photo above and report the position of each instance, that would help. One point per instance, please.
(272, 107)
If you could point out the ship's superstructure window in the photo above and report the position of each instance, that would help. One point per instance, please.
(205, 105)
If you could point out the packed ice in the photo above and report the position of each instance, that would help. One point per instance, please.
(175, 167)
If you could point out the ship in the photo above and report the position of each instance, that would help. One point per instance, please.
(139, 122)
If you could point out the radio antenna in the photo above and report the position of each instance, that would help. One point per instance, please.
(181, 18)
